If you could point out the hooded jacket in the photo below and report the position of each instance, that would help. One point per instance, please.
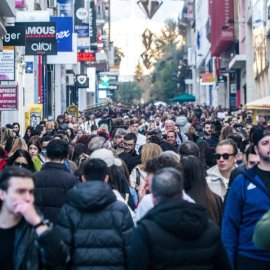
(177, 235)
(96, 227)
(247, 200)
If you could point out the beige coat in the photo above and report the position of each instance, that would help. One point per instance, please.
(216, 182)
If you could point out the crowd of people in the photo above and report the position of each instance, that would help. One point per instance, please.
(146, 187)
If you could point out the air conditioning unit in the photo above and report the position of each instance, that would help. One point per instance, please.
(52, 3)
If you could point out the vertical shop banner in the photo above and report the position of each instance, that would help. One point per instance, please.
(64, 30)
(7, 64)
(40, 38)
(81, 17)
(8, 98)
(92, 22)
(65, 8)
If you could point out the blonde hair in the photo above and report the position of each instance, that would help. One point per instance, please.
(55, 124)
(149, 151)
(19, 144)
(49, 125)
(7, 133)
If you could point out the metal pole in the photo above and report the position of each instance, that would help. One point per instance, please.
(109, 22)
(197, 85)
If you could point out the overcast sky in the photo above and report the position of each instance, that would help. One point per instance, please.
(124, 8)
(128, 22)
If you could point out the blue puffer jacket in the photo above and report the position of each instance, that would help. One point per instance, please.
(246, 202)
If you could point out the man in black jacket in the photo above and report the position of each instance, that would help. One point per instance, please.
(94, 224)
(27, 241)
(175, 234)
(54, 180)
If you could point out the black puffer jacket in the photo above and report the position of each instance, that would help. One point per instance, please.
(35, 253)
(52, 183)
(96, 227)
(177, 235)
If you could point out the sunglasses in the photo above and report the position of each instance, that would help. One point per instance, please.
(225, 156)
(20, 164)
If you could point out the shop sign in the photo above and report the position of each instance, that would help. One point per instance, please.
(40, 39)
(8, 98)
(82, 81)
(15, 35)
(86, 57)
(7, 64)
(81, 17)
(207, 78)
(64, 30)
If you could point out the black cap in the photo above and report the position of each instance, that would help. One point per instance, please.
(258, 134)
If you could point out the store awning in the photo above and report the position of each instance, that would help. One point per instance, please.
(183, 98)
(259, 104)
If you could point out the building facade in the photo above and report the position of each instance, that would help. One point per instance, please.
(237, 63)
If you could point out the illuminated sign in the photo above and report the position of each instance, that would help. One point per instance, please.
(86, 57)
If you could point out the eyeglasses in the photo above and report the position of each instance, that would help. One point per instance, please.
(129, 145)
(225, 156)
(20, 164)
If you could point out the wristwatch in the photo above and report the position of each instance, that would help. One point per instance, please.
(42, 222)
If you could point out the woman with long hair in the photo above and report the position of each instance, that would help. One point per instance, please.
(70, 134)
(78, 149)
(21, 158)
(203, 146)
(120, 187)
(19, 144)
(225, 132)
(197, 188)
(29, 132)
(138, 175)
(7, 139)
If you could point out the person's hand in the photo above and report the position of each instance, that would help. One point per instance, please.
(28, 211)
(143, 190)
